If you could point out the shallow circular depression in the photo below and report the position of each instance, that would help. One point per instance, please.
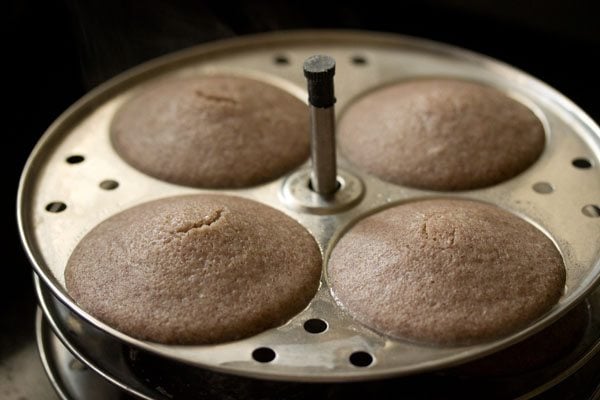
(199, 269)
(212, 131)
(445, 272)
(50, 237)
(440, 133)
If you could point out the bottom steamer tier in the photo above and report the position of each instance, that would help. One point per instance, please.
(135, 372)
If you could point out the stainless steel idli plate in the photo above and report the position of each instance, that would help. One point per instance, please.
(61, 198)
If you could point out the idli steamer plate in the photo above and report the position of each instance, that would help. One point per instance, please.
(68, 187)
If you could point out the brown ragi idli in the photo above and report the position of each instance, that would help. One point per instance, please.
(212, 131)
(446, 272)
(440, 134)
(197, 269)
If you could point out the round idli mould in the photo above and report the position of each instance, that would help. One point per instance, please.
(212, 131)
(441, 134)
(196, 269)
(446, 272)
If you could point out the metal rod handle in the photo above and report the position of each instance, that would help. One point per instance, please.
(319, 71)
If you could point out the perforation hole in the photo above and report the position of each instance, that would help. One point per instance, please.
(56, 207)
(109, 184)
(281, 59)
(263, 354)
(543, 188)
(582, 163)
(359, 60)
(591, 210)
(361, 359)
(315, 325)
(75, 159)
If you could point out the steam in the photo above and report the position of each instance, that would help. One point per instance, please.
(116, 35)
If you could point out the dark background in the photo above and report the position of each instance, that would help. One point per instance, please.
(60, 49)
